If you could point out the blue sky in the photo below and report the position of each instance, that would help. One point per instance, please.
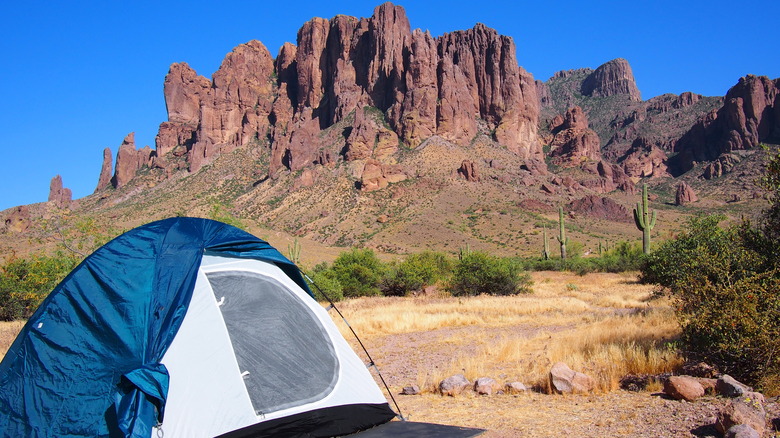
(78, 76)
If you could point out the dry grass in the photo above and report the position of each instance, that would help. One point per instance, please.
(8, 332)
(605, 325)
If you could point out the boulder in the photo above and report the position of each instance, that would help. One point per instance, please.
(573, 141)
(515, 388)
(564, 380)
(683, 388)
(486, 386)
(411, 390)
(453, 385)
(742, 410)
(728, 386)
(468, 170)
(600, 208)
(685, 194)
(18, 220)
(741, 431)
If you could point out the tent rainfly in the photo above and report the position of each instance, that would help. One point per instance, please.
(187, 327)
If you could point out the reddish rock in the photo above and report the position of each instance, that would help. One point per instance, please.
(453, 385)
(535, 167)
(468, 170)
(644, 160)
(613, 78)
(723, 165)
(564, 380)
(18, 220)
(419, 119)
(376, 176)
(129, 161)
(58, 195)
(600, 208)
(573, 142)
(535, 205)
(742, 410)
(105, 170)
(369, 138)
(685, 194)
(683, 388)
(749, 116)
(486, 386)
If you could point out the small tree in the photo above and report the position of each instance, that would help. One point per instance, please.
(359, 272)
(481, 273)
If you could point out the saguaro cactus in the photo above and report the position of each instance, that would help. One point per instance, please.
(546, 251)
(645, 222)
(294, 251)
(562, 239)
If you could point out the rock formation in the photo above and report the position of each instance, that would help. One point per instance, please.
(749, 116)
(105, 171)
(468, 170)
(685, 194)
(59, 195)
(600, 208)
(573, 141)
(422, 86)
(18, 220)
(129, 160)
(614, 77)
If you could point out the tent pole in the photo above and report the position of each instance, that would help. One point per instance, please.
(371, 362)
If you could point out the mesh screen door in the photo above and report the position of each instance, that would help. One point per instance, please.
(283, 352)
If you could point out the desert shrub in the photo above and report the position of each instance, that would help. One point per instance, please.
(24, 283)
(726, 294)
(359, 272)
(480, 273)
(416, 272)
(324, 284)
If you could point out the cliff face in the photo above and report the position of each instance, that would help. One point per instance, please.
(750, 115)
(454, 86)
(613, 78)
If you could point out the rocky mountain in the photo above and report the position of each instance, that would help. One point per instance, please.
(367, 132)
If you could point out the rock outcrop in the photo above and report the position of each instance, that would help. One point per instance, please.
(129, 160)
(573, 142)
(685, 194)
(614, 77)
(454, 86)
(105, 170)
(600, 208)
(750, 115)
(18, 220)
(58, 195)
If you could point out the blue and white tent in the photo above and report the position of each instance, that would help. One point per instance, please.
(188, 327)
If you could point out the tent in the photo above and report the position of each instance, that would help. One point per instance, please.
(185, 327)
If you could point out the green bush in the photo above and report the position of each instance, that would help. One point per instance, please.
(359, 272)
(726, 292)
(325, 284)
(480, 273)
(416, 272)
(24, 283)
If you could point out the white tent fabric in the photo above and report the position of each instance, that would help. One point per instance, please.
(211, 394)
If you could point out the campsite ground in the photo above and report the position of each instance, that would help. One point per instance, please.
(606, 325)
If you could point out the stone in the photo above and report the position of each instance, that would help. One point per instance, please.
(515, 388)
(600, 208)
(741, 431)
(411, 390)
(685, 194)
(486, 386)
(535, 167)
(728, 386)
(468, 170)
(748, 117)
(453, 385)
(612, 78)
(683, 388)
(105, 171)
(564, 380)
(708, 384)
(742, 410)
(18, 219)
(59, 196)
(129, 161)
(573, 142)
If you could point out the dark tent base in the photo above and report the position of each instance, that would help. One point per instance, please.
(408, 429)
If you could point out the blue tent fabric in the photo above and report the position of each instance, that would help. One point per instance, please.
(87, 363)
